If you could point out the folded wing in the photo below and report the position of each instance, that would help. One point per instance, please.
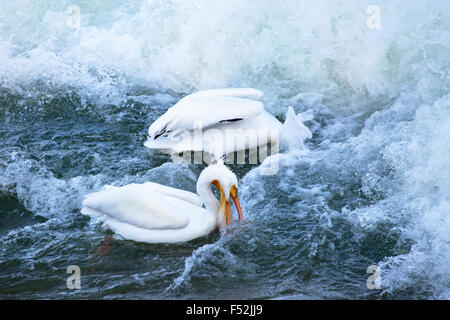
(207, 108)
(149, 205)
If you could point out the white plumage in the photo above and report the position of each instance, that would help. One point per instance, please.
(229, 119)
(155, 213)
(208, 108)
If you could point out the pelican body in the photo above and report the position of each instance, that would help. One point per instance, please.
(154, 213)
(218, 121)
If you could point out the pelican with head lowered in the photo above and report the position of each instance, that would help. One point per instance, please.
(155, 213)
(225, 120)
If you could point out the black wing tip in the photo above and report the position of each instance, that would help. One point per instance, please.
(160, 133)
(231, 120)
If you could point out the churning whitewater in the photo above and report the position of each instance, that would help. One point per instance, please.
(81, 82)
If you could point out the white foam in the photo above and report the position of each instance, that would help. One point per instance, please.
(282, 50)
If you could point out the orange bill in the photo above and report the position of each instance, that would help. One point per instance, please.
(238, 207)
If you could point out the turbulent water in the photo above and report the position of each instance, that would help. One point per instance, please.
(78, 92)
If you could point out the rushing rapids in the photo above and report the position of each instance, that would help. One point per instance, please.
(80, 83)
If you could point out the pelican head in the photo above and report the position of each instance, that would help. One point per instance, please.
(225, 181)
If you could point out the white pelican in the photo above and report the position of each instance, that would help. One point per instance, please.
(155, 213)
(218, 121)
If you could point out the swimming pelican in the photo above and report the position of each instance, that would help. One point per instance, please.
(218, 121)
(155, 213)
